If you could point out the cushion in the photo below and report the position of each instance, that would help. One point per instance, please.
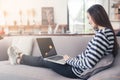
(104, 63)
(24, 44)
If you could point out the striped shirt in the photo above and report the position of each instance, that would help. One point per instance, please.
(101, 45)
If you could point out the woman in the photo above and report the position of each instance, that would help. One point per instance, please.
(103, 43)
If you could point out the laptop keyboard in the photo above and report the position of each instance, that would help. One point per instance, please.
(56, 57)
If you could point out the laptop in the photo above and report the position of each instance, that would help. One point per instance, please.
(48, 51)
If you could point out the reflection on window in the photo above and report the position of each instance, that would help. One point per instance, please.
(78, 22)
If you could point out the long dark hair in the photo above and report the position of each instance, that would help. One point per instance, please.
(100, 17)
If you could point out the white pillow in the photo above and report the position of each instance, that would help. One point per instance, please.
(24, 44)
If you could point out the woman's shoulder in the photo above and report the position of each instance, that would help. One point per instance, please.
(108, 30)
(105, 33)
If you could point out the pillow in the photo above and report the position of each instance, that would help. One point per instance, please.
(24, 44)
(104, 63)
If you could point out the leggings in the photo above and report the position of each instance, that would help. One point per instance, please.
(64, 70)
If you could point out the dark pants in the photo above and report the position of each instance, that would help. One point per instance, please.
(65, 70)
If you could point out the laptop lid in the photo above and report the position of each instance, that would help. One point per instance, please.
(46, 47)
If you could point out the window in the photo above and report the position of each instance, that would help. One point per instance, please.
(78, 22)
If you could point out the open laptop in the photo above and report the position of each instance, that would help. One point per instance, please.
(48, 51)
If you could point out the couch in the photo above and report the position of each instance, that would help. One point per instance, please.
(71, 45)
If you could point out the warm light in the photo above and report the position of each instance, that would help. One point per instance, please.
(2, 19)
(17, 10)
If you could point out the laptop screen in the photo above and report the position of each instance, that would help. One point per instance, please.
(46, 47)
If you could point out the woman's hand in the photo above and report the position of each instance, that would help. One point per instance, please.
(66, 57)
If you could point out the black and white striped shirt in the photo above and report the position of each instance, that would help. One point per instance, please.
(101, 45)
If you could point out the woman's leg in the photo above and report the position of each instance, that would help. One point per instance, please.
(65, 70)
(32, 61)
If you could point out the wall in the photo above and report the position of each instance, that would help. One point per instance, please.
(13, 7)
